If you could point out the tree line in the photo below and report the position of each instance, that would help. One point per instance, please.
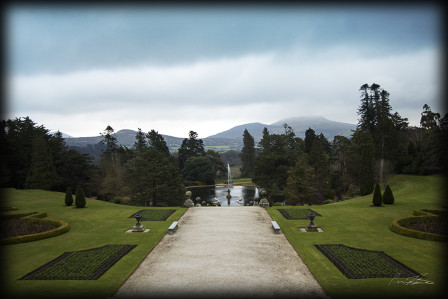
(145, 174)
(314, 169)
(309, 170)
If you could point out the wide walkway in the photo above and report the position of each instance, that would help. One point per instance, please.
(222, 251)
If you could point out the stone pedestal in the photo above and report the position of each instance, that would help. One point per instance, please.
(138, 228)
(311, 228)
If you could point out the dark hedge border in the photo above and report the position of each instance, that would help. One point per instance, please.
(365, 266)
(58, 264)
(154, 215)
(304, 215)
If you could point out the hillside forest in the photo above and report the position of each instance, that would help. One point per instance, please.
(298, 171)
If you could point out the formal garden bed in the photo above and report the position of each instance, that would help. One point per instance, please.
(439, 228)
(14, 227)
(28, 227)
(87, 264)
(153, 214)
(426, 224)
(297, 214)
(360, 263)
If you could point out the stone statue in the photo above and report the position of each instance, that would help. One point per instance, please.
(264, 203)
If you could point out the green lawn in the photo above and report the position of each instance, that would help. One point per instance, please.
(356, 224)
(99, 224)
(352, 223)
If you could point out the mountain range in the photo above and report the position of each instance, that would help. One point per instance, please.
(233, 138)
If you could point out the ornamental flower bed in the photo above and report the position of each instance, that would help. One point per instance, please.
(87, 264)
(360, 263)
(13, 227)
(154, 214)
(297, 214)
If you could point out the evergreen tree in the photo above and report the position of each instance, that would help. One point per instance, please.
(388, 197)
(140, 143)
(366, 110)
(80, 199)
(68, 197)
(42, 173)
(319, 161)
(275, 159)
(216, 162)
(248, 155)
(190, 147)
(361, 161)
(377, 199)
(151, 177)
(110, 164)
(377, 119)
(340, 149)
(156, 141)
(429, 120)
(301, 183)
(309, 139)
(18, 136)
(199, 169)
(109, 140)
(265, 139)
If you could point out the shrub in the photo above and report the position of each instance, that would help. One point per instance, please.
(68, 197)
(80, 199)
(377, 198)
(388, 197)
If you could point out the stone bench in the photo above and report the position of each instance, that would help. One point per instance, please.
(276, 227)
(173, 227)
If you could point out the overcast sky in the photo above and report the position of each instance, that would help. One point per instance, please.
(174, 69)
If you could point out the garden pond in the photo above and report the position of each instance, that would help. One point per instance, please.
(241, 195)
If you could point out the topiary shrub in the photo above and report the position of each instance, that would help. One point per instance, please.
(388, 197)
(68, 197)
(377, 197)
(80, 199)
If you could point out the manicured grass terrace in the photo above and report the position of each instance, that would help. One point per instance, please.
(99, 224)
(356, 224)
(352, 223)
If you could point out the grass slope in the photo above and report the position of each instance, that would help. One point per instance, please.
(355, 223)
(99, 224)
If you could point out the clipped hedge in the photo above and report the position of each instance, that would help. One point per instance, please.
(61, 228)
(425, 212)
(24, 214)
(397, 226)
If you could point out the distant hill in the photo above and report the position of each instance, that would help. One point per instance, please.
(124, 137)
(63, 134)
(231, 139)
(299, 124)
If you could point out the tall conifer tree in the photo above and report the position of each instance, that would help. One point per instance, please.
(248, 155)
(42, 173)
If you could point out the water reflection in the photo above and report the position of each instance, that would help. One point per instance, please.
(239, 194)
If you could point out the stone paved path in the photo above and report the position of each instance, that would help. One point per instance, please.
(222, 251)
